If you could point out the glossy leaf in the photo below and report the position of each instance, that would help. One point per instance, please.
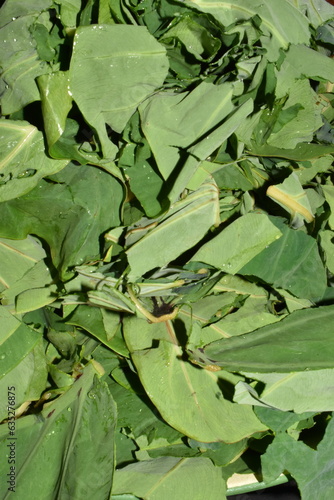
(23, 159)
(33, 288)
(166, 220)
(67, 215)
(182, 126)
(19, 58)
(20, 257)
(301, 152)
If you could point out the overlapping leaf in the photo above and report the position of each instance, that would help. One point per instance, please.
(102, 57)
(87, 446)
(191, 217)
(166, 211)
(294, 344)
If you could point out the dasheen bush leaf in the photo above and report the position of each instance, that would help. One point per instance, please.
(286, 391)
(189, 399)
(19, 59)
(182, 126)
(20, 257)
(159, 479)
(166, 247)
(72, 414)
(281, 23)
(22, 362)
(114, 68)
(291, 262)
(191, 217)
(281, 455)
(294, 344)
(23, 159)
(69, 215)
(239, 242)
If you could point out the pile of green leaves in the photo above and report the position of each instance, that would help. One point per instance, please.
(167, 246)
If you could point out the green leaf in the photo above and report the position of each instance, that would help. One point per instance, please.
(143, 263)
(56, 104)
(238, 243)
(309, 169)
(69, 10)
(291, 262)
(302, 61)
(192, 218)
(291, 196)
(281, 22)
(29, 300)
(221, 454)
(145, 182)
(205, 147)
(301, 128)
(194, 126)
(252, 315)
(20, 257)
(92, 319)
(188, 399)
(187, 118)
(23, 159)
(31, 291)
(326, 238)
(302, 151)
(19, 58)
(286, 391)
(316, 10)
(113, 69)
(231, 177)
(17, 340)
(22, 361)
(280, 421)
(70, 215)
(67, 444)
(28, 378)
(137, 416)
(313, 470)
(14, 8)
(160, 478)
(329, 195)
(293, 344)
(196, 38)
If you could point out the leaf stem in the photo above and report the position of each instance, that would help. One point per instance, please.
(149, 316)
